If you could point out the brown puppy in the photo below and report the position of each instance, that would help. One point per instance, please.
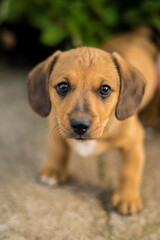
(92, 97)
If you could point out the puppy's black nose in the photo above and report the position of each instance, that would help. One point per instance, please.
(80, 125)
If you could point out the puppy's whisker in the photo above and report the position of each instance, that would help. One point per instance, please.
(63, 131)
(53, 130)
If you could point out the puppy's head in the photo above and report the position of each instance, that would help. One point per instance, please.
(82, 88)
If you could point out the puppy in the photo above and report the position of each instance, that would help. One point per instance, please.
(91, 97)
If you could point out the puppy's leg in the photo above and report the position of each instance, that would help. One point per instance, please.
(127, 196)
(55, 169)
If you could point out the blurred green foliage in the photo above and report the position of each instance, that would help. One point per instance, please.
(87, 22)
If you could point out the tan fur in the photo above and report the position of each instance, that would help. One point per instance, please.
(114, 120)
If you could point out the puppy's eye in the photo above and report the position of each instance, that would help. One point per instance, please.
(105, 91)
(62, 88)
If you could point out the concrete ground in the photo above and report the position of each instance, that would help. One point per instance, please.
(79, 210)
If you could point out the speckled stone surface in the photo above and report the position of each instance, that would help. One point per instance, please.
(78, 210)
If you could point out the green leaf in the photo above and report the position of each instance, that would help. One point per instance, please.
(51, 36)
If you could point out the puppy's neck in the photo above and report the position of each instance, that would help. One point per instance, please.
(84, 148)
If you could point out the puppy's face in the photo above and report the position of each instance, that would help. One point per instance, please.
(82, 89)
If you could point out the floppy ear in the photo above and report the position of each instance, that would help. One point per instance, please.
(38, 94)
(132, 86)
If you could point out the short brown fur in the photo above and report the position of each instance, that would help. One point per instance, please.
(114, 120)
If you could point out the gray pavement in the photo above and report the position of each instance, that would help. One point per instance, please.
(78, 210)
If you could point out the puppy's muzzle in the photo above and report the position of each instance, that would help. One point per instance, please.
(80, 125)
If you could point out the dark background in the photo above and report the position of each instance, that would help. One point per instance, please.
(30, 30)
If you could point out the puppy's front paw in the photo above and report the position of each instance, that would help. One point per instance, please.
(126, 202)
(51, 176)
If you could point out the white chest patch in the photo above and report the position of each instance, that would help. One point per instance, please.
(86, 148)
